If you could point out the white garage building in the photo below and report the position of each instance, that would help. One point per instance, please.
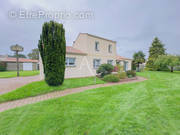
(24, 64)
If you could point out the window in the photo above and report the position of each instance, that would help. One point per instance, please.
(96, 63)
(110, 48)
(70, 61)
(96, 46)
(110, 62)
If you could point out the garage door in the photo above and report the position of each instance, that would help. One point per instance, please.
(27, 66)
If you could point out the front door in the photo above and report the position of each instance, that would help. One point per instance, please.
(125, 65)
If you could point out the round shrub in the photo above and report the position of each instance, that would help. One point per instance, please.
(111, 78)
(131, 73)
(105, 69)
(122, 75)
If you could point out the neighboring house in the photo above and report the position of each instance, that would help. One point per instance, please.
(24, 64)
(88, 53)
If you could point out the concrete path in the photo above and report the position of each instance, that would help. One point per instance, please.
(9, 84)
(30, 100)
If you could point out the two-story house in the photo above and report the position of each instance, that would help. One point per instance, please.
(88, 53)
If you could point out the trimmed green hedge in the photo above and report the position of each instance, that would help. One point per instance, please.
(131, 73)
(52, 47)
(122, 75)
(111, 78)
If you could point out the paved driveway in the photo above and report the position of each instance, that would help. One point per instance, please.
(9, 84)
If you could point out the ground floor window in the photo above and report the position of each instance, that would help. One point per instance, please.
(110, 62)
(70, 61)
(96, 63)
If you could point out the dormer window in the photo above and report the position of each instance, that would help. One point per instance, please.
(110, 48)
(96, 46)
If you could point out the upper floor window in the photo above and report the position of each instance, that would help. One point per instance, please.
(110, 62)
(110, 48)
(96, 63)
(70, 61)
(96, 46)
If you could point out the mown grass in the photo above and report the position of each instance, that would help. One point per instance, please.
(151, 107)
(41, 87)
(10, 74)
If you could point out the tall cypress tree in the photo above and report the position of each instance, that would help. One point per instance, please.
(156, 49)
(52, 47)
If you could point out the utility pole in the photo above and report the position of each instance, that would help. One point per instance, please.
(17, 48)
(17, 63)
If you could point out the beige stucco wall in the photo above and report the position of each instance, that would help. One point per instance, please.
(84, 63)
(34, 66)
(86, 43)
(41, 68)
(12, 66)
(81, 68)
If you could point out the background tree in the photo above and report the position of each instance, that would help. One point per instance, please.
(156, 49)
(168, 61)
(52, 47)
(19, 55)
(34, 54)
(138, 58)
(178, 57)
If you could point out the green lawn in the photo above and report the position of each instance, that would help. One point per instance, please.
(41, 87)
(10, 74)
(151, 107)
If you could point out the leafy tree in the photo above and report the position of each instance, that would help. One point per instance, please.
(19, 55)
(105, 69)
(52, 47)
(168, 61)
(156, 49)
(178, 57)
(34, 54)
(138, 58)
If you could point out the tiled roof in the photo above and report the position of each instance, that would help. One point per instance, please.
(70, 49)
(122, 58)
(11, 59)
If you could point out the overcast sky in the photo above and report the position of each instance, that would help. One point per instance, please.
(132, 23)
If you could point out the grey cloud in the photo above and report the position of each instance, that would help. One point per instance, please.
(133, 24)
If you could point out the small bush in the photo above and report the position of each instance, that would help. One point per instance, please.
(131, 73)
(118, 68)
(111, 78)
(105, 69)
(115, 69)
(177, 68)
(122, 75)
